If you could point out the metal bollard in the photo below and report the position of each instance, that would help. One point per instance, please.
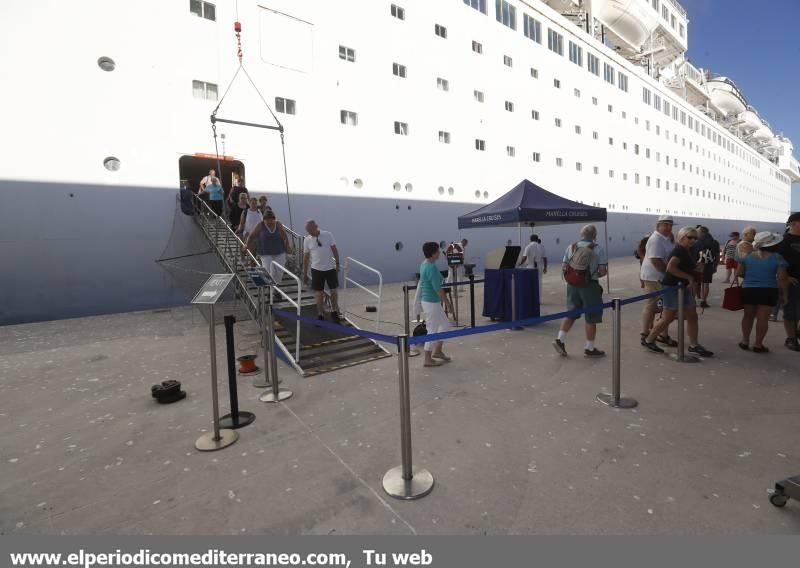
(472, 300)
(454, 295)
(277, 394)
(218, 439)
(681, 355)
(614, 399)
(405, 481)
(236, 419)
(259, 381)
(407, 319)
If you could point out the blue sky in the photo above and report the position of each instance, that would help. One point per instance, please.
(756, 44)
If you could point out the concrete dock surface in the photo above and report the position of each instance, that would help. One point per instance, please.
(510, 430)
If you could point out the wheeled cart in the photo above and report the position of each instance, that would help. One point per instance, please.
(786, 489)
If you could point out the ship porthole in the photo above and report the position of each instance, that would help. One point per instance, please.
(106, 64)
(358, 182)
(486, 195)
(477, 193)
(450, 191)
(409, 188)
(398, 246)
(397, 186)
(441, 190)
(112, 164)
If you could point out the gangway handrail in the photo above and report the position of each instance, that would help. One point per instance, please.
(233, 269)
(296, 304)
(367, 290)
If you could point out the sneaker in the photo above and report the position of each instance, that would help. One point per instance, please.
(593, 353)
(791, 344)
(773, 317)
(558, 345)
(701, 351)
(704, 304)
(651, 346)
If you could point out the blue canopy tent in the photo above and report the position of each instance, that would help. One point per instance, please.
(530, 205)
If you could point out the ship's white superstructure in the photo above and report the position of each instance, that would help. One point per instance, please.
(398, 115)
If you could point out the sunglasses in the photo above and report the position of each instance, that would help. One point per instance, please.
(692, 238)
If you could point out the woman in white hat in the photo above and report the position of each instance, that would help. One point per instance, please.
(763, 270)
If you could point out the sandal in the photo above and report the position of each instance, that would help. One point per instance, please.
(667, 340)
(762, 349)
(442, 357)
(434, 363)
(744, 346)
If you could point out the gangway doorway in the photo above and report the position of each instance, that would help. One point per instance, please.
(193, 168)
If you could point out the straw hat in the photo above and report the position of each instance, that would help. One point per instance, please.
(766, 239)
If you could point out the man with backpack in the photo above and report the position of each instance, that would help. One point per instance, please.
(585, 262)
(706, 253)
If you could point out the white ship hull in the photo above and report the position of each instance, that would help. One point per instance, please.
(94, 235)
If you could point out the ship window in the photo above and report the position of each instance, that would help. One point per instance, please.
(608, 73)
(537, 157)
(506, 14)
(409, 188)
(486, 195)
(575, 53)
(636, 178)
(558, 123)
(509, 106)
(477, 47)
(611, 173)
(664, 12)
(622, 82)
(440, 31)
(442, 84)
(646, 95)
(647, 153)
(647, 125)
(672, 21)
(610, 108)
(534, 73)
(647, 181)
(577, 93)
(555, 42)
(511, 151)
(535, 114)
(658, 183)
(682, 30)
(348, 117)
(398, 12)
(593, 64)
(440, 190)
(286, 106)
(444, 137)
(205, 10)
(594, 101)
(657, 102)
(557, 83)
(532, 28)
(450, 191)
(636, 149)
(399, 70)
(111, 163)
(203, 90)
(396, 186)
(480, 145)
(106, 64)
(577, 129)
(347, 53)
(595, 135)
(478, 95)
(655, 5)
(596, 170)
(579, 166)
(507, 61)
(559, 162)
(479, 5)
(610, 141)
(401, 128)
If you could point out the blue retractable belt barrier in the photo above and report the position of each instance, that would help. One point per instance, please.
(337, 327)
(505, 325)
(648, 295)
(450, 285)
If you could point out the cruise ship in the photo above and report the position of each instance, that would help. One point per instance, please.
(398, 116)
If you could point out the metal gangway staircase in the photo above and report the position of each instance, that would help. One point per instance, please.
(310, 349)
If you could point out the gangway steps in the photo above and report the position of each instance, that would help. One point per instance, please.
(321, 349)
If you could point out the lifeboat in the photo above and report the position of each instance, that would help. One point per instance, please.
(561, 6)
(631, 20)
(763, 133)
(725, 95)
(749, 121)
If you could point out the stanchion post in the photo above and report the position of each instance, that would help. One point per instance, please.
(219, 438)
(258, 381)
(235, 419)
(514, 301)
(405, 481)
(681, 355)
(407, 318)
(472, 300)
(277, 394)
(454, 289)
(614, 399)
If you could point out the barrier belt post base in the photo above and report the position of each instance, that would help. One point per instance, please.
(615, 400)
(405, 481)
(276, 394)
(681, 356)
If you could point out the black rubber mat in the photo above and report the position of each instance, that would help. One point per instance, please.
(310, 334)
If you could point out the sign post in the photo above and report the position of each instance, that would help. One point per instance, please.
(209, 294)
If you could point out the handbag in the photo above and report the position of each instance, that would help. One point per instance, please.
(421, 329)
(732, 300)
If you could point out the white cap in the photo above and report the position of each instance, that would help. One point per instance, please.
(767, 239)
(666, 219)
